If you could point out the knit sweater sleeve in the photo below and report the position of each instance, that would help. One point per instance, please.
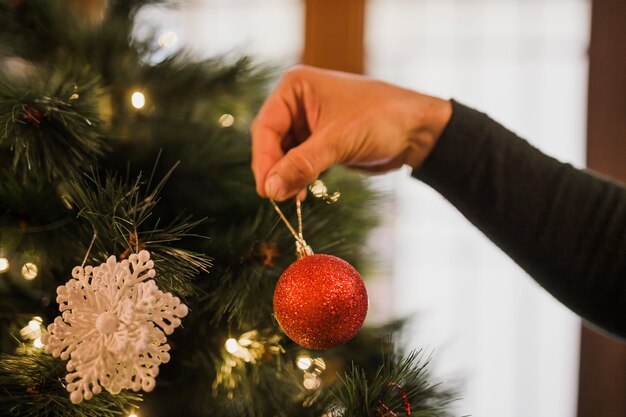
(566, 227)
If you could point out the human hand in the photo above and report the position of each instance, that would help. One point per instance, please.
(317, 118)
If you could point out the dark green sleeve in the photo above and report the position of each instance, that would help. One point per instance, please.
(566, 227)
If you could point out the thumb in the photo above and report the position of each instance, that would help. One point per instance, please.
(300, 166)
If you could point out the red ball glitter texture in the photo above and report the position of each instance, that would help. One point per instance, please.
(320, 301)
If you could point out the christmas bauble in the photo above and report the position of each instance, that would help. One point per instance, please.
(320, 301)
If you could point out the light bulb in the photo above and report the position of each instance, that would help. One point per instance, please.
(34, 325)
(304, 362)
(38, 343)
(231, 345)
(138, 100)
(4, 265)
(29, 271)
(226, 120)
(311, 381)
(320, 365)
(168, 39)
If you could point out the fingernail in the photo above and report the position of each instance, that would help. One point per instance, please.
(275, 188)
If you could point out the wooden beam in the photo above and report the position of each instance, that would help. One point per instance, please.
(602, 380)
(334, 32)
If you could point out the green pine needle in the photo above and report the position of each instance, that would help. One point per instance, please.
(32, 385)
(119, 214)
(48, 123)
(397, 380)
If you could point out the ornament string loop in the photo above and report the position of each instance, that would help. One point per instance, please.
(299, 213)
(302, 248)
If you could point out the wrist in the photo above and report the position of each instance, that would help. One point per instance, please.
(429, 116)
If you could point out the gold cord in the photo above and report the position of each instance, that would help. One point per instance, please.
(302, 249)
(297, 236)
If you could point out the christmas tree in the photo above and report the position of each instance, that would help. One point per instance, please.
(108, 148)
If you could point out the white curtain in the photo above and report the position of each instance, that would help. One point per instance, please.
(523, 62)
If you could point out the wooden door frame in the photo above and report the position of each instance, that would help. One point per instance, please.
(602, 378)
(334, 34)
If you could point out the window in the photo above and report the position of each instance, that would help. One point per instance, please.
(525, 64)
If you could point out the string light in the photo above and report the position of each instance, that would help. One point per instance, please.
(226, 120)
(133, 415)
(4, 265)
(138, 100)
(29, 271)
(231, 345)
(304, 362)
(32, 331)
(312, 368)
(38, 343)
(35, 324)
(250, 347)
(311, 381)
(320, 365)
(168, 39)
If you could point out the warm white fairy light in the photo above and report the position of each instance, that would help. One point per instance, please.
(32, 330)
(226, 120)
(138, 100)
(320, 365)
(29, 271)
(133, 415)
(168, 39)
(311, 381)
(34, 325)
(304, 362)
(38, 343)
(4, 265)
(231, 345)
(249, 347)
(313, 368)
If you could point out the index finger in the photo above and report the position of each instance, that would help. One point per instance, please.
(271, 125)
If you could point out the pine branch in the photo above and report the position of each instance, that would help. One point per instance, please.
(216, 78)
(32, 385)
(242, 292)
(48, 123)
(400, 383)
(120, 211)
(263, 381)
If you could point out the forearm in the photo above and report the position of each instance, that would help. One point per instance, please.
(565, 227)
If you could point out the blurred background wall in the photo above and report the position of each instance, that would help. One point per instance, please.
(526, 63)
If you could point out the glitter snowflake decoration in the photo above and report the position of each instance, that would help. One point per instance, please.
(113, 327)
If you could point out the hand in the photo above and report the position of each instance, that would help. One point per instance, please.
(317, 118)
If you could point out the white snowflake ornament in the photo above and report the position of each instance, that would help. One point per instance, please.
(113, 327)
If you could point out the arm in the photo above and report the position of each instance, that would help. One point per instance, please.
(564, 226)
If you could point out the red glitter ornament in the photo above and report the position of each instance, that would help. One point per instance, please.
(320, 301)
